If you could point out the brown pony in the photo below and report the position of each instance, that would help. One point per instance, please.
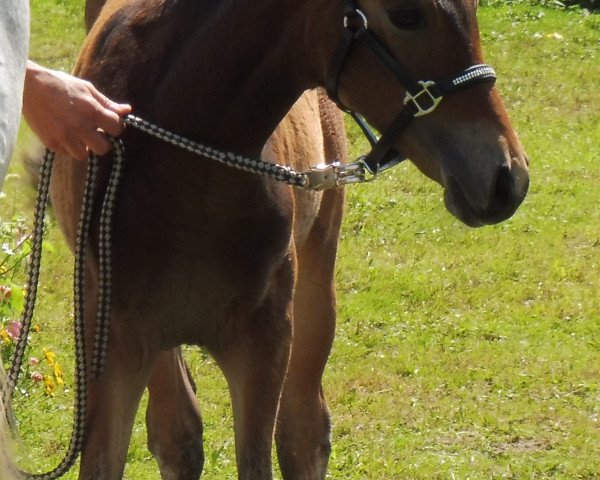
(238, 263)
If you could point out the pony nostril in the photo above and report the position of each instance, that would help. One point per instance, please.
(502, 194)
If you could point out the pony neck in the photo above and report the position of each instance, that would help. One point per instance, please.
(240, 72)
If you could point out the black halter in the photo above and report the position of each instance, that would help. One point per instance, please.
(422, 96)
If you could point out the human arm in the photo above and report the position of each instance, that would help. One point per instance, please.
(68, 114)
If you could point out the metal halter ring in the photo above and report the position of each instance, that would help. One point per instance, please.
(357, 13)
(336, 175)
(434, 101)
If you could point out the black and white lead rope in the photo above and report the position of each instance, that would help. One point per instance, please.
(103, 312)
(317, 178)
(325, 176)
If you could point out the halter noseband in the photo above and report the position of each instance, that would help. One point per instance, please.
(422, 96)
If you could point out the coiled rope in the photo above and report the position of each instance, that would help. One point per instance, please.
(277, 172)
(104, 281)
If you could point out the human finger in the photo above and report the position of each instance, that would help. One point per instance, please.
(111, 113)
(56, 148)
(97, 142)
(77, 150)
(110, 122)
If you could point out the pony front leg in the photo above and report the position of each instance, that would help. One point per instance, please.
(255, 366)
(173, 419)
(255, 376)
(113, 401)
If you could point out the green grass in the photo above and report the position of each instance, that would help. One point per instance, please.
(460, 354)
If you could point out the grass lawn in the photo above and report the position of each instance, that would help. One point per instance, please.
(460, 353)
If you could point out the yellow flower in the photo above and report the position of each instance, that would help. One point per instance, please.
(3, 269)
(37, 328)
(50, 385)
(50, 357)
(58, 375)
(5, 337)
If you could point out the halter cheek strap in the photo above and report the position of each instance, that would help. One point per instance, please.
(422, 96)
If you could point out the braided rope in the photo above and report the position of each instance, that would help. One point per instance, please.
(277, 172)
(104, 261)
(103, 315)
(280, 173)
(33, 272)
(26, 319)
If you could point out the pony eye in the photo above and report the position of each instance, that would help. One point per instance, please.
(407, 18)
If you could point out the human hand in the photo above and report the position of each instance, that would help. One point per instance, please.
(68, 114)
